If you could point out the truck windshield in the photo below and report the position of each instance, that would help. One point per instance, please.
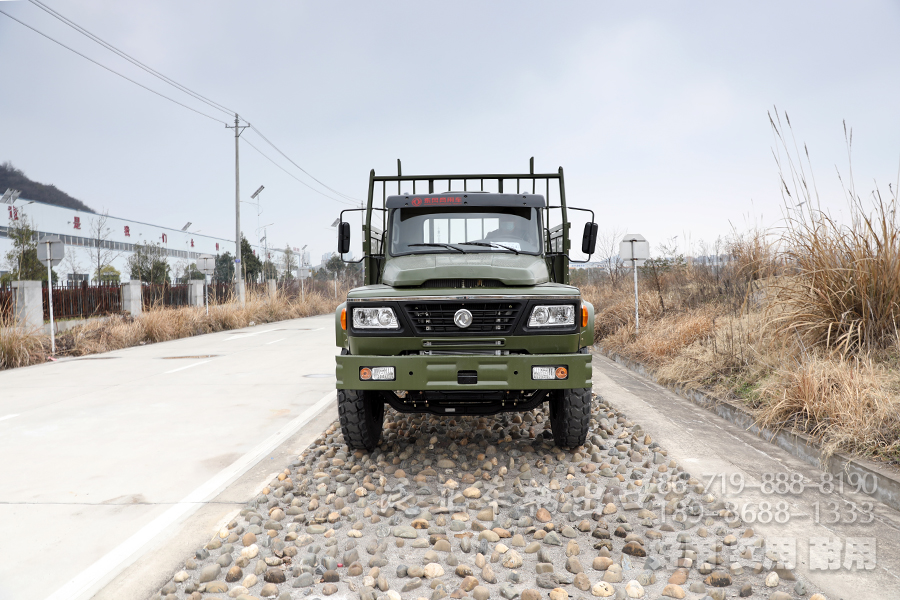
(493, 228)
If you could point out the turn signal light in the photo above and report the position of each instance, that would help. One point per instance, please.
(584, 316)
(344, 319)
(377, 374)
(549, 373)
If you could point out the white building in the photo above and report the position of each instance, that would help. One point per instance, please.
(79, 231)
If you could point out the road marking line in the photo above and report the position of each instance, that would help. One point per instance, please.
(114, 562)
(276, 341)
(241, 336)
(202, 362)
(9, 417)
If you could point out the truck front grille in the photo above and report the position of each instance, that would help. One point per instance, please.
(498, 317)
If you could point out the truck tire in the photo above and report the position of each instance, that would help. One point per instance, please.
(362, 418)
(570, 415)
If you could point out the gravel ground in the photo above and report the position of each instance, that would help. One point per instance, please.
(486, 507)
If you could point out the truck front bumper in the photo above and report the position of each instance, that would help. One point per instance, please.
(442, 373)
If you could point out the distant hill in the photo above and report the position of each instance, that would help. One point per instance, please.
(11, 177)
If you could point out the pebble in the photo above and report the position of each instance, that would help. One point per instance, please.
(719, 579)
(275, 575)
(602, 590)
(433, 570)
(479, 507)
(559, 594)
(481, 593)
(673, 590)
(582, 582)
(512, 560)
(209, 573)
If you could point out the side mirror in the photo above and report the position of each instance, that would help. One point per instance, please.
(344, 238)
(589, 239)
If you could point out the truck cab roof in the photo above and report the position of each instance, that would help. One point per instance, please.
(464, 199)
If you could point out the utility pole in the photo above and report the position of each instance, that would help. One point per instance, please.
(238, 279)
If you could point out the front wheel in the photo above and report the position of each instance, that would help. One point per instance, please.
(362, 418)
(570, 416)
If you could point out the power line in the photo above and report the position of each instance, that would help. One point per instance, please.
(178, 86)
(112, 70)
(259, 133)
(130, 58)
(246, 141)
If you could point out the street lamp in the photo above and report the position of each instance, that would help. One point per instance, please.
(259, 245)
(255, 196)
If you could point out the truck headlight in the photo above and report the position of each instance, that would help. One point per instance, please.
(556, 315)
(375, 318)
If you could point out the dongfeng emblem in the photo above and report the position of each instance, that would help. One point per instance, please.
(462, 318)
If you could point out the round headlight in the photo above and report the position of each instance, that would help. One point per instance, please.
(541, 315)
(385, 315)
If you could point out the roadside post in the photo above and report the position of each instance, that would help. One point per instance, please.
(636, 248)
(50, 251)
(206, 264)
(304, 275)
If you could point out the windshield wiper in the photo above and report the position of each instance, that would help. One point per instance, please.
(440, 246)
(489, 245)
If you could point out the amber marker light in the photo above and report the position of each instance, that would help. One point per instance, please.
(365, 374)
(584, 316)
(561, 373)
(344, 319)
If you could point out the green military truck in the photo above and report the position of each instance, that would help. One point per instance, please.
(466, 308)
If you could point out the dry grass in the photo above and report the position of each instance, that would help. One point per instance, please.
(163, 324)
(749, 340)
(844, 293)
(852, 405)
(20, 348)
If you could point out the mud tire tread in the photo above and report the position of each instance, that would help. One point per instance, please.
(570, 415)
(362, 419)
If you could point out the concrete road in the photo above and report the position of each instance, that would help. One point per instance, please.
(735, 464)
(118, 466)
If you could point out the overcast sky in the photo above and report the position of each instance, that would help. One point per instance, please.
(657, 112)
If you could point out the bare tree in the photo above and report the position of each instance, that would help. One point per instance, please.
(608, 253)
(101, 251)
(288, 263)
(71, 264)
